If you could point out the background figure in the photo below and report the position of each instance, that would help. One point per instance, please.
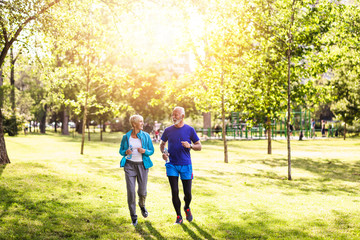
(156, 130)
(313, 128)
(136, 148)
(217, 130)
(291, 130)
(181, 138)
(323, 127)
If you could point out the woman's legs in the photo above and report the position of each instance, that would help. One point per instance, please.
(130, 177)
(142, 178)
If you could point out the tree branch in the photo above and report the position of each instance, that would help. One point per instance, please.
(21, 27)
(4, 29)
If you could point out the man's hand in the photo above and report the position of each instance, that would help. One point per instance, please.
(165, 156)
(185, 144)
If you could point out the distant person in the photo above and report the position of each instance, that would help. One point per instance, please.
(329, 129)
(217, 130)
(181, 138)
(291, 130)
(136, 148)
(313, 127)
(25, 129)
(323, 123)
(156, 130)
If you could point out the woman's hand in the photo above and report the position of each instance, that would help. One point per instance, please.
(141, 150)
(128, 152)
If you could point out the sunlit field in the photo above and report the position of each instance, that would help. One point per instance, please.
(50, 191)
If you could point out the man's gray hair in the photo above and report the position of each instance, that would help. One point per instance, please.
(135, 119)
(181, 109)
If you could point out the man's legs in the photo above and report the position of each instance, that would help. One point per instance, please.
(187, 192)
(174, 184)
(187, 198)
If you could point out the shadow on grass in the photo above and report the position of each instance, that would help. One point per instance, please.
(191, 233)
(108, 137)
(262, 224)
(152, 234)
(323, 171)
(25, 218)
(205, 234)
(2, 168)
(326, 168)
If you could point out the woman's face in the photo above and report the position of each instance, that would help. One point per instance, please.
(139, 125)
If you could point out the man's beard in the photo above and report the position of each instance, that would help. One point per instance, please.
(176, 121)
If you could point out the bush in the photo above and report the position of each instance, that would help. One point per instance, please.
(11, 126)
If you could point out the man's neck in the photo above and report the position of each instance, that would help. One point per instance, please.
(180, 124)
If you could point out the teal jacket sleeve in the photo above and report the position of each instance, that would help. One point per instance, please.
(149, 147)
(124, 146)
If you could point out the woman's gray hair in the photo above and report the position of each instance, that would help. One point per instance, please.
(135, 119)
(181, 109)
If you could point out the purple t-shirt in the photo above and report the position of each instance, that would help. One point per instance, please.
(179, 155)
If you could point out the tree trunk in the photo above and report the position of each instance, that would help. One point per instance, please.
(288, 89)
(101, 130)
(288, 113)
(4, 158)
(83, 126)
(223, 121)
(345, 131)
(79, 126)
(13, 125)
(55, 126)
(43, 121)
(288, 117)
(65, 124)
(268, 123)
(207, 123)
(85, 111)
(104, 126)
(88, 128)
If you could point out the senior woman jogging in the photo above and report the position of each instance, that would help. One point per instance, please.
(136, 148)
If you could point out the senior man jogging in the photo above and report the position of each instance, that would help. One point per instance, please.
(181, 138)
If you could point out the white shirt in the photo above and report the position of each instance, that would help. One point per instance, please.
(135, 143)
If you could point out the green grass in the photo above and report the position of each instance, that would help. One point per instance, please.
(50, 191)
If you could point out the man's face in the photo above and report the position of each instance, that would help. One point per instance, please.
(177, 117)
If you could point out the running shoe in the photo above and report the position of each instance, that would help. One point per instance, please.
(134, 221)
(179, 220)
(189, 216)
(144, 212)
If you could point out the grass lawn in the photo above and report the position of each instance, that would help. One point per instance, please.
(50, 191)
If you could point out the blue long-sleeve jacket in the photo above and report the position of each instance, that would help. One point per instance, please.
(146, 144)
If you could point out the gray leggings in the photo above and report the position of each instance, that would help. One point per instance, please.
(135, 172)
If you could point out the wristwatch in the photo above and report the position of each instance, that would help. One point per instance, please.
(190, 145)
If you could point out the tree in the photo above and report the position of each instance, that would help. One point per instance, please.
(14, 18)
(289, 31)
(343, 63)
(13, 59)
(84, 44)
(223, 45)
